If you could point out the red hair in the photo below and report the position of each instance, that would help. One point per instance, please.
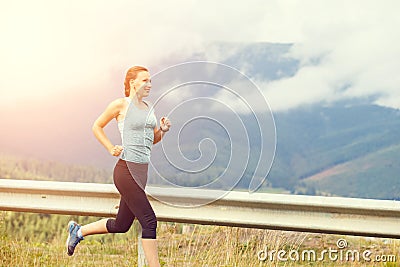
(132, 74)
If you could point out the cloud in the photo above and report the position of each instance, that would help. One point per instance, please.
(50, 47)
(347, 50)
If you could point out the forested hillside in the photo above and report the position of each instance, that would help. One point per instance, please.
(362, 140)
(343, 149)
(14, 167)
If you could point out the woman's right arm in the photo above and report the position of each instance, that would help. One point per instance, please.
(111, 112)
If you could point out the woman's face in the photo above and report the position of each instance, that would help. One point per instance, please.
(142, 84)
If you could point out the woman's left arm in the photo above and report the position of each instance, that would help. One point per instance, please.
(165, 124)
(158, 135)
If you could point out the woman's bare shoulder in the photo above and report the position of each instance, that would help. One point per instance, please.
(115, 106)
(118, 103)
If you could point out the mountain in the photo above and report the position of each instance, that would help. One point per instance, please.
(375, 175)
(313, 141)
(346, 150)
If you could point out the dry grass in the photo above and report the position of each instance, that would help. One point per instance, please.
(190, 245)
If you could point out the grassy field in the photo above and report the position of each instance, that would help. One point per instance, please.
(39, 240)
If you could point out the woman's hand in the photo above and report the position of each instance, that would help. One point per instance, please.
(165, 124)
(116, 150)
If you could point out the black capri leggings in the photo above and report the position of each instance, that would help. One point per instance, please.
(133, 203)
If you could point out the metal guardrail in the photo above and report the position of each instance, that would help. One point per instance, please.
(350, 216)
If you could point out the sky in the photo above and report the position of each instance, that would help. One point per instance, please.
(62, 62)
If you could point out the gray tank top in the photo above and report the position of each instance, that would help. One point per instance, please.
(137, 133)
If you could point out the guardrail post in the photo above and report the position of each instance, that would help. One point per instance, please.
(141, 257)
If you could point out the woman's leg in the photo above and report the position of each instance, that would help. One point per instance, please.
(133, 203)
(98, 227)
(151, 251)
(136, 199)
(144, 213)
(121, 224)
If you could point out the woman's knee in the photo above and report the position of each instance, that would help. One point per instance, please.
(149, 228)
(114, 227)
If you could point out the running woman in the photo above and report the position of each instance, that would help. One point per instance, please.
(138, 127)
